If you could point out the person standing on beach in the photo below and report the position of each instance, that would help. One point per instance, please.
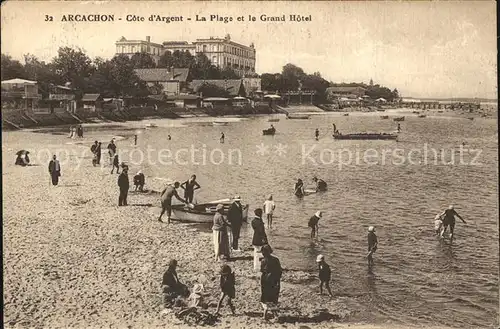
(111, 151)
(221, 239)
(324, 274)
(123, 184)
(135, 139)
(449, 220)
(235, 218)
(313, 224)
(372, 244)
(116, 164)
(222, 137)
(166, 200)
(270, 281)
(98, 153)
(269, 207)
(259, 237)
(54, 170)
(189, 187)
(70, 132)
(227, 283)
(316, 134)
(93, 149)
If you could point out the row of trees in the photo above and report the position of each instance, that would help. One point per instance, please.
(116, 77)
(111, 78)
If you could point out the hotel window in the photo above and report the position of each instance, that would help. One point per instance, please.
(214, 60)
(123, 49)
(204, 48)
(133, 49)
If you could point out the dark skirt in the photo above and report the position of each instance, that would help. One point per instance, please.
(270, 291)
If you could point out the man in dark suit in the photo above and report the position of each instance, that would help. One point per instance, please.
(123, 183)
(235, 217)
(54, 170)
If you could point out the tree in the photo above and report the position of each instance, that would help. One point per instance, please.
(41, 72)
(125, 81)
(142, 61)
(204, 69)
(73, 66)
(11, 68)
(292, 74)
(228, 73)
(271, 82)
(211, 90)
(395, 94)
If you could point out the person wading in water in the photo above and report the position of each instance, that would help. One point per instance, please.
(372, 245)
(189, 187)
(299, 188)
(449, 220)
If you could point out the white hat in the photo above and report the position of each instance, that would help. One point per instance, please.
(318, 214)
(371, 229)
(237, 198)
(320, 258)
(220, 206)
(198, 288)
(450, 206)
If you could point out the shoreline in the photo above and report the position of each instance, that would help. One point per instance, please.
(73, 258)
(489, 112)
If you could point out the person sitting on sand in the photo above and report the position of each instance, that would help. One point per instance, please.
(172, 287)
(196, 297)
(320, 184)
(222, 137)
(299, 188)
(227, 283)
(139, 181)
(324, 274)
(269, 281)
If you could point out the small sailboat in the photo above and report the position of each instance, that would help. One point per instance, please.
(151, 125)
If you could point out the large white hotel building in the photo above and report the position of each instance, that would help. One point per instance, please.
(221, 51)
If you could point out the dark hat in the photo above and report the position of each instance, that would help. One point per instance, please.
(258, 212)
(172, 262)
(225, 269)
(267, 248)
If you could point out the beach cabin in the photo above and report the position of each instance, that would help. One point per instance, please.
(92, 102)
(20, 94)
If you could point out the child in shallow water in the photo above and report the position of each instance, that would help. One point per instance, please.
(438, 224)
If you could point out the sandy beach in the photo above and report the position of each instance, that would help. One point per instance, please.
(73, 258)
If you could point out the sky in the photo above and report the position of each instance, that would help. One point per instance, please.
(424, 49)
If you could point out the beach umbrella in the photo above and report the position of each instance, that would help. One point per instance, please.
(21, 152)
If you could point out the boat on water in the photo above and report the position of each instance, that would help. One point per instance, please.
(380, 110)
(416, 112)
(273, 120)
(470, 118)
(220, 123)
(346, 114)
(270, 131)
(297, 117)
(151, 125)
(384, 117)
(422, 115)
(399, 119)
(440, 111)
(363, 136)
(203, 212)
